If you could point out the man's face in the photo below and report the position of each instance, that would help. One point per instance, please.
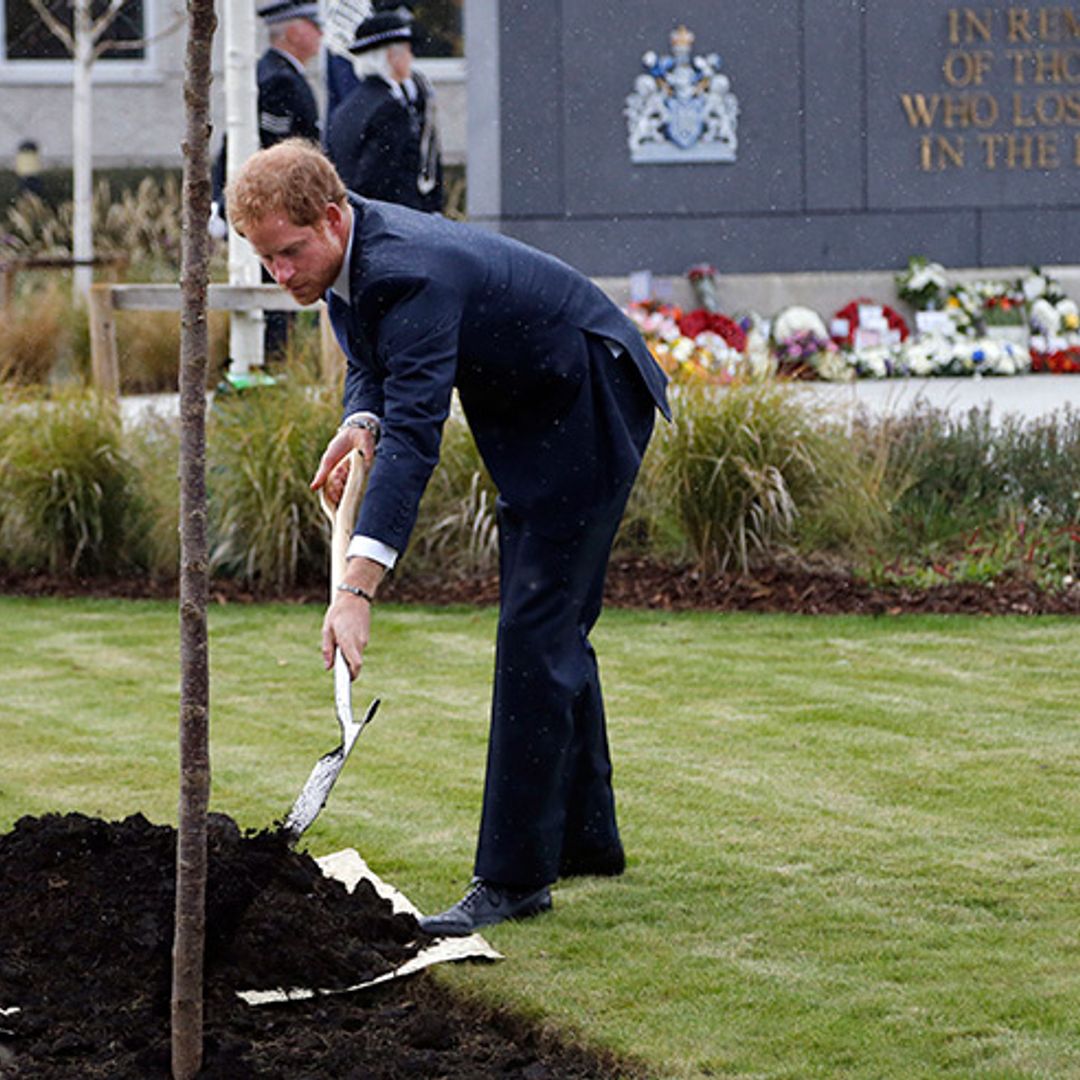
(399, 58)
(303, 39)
(303, 259)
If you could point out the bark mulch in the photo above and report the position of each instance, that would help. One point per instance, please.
(784, 586)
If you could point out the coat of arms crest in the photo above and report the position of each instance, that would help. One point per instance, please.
(683, 109)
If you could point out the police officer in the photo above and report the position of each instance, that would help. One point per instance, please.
(286, 108)
(382, 136)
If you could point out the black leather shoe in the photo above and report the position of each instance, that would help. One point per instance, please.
(486, 904)
(604, 862)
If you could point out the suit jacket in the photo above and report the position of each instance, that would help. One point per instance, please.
(437, 304)
(382, 146)
(286, 106)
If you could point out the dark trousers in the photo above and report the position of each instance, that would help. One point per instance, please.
(548, 783)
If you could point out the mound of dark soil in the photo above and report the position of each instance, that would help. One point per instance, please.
(86, 931)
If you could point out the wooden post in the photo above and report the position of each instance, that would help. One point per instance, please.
(104, 362)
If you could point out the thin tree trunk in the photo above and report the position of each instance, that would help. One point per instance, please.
(191, 854)
(82, 140)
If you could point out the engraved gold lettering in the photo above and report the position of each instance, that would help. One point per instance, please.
(940, 152)
(920, 109)
(1018, 23)
(1019, 119)
(967, 68)
(990, 145)
(966, 27)
(1019, 151)
(1046, 67)
(1046, 146)
(1018, 56)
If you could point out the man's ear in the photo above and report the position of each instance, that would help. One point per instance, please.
(334, 216)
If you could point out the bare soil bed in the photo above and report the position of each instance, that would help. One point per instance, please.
(86, 929)
(784, 586)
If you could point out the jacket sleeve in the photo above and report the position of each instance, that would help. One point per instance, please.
(417, 348)
(363, 387)
(279, 107)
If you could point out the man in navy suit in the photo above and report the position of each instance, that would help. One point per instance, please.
(561, 394)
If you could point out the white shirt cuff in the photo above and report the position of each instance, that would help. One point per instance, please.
(369, 548)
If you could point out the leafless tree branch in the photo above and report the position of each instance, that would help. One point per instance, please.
(131, 46)
(56, 27)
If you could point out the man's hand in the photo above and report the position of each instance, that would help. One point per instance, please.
(333, 469)
(347, 625)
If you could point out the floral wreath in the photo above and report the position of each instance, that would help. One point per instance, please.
(700, 321)
(850, 312)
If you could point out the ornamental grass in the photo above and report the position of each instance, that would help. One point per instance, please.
(745, 468)
(69, 497)
(263, 447)
(742, 474)
(36, 333)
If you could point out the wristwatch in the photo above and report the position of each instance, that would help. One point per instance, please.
(368, 423)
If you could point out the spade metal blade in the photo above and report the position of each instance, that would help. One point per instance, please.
(313, 795)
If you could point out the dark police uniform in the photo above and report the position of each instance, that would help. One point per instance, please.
(385, 146)
(286, 108)
(382, 136)
(560, 393)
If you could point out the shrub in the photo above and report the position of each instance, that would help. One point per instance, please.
(263, 448)
(68, 495)
(984, 499)
(955, 484)
(153, 447)
(34, 334)
(746, 465)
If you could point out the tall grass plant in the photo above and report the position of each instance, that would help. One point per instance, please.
(748, 467)
(456, 531)
(148, 350)
(263, 447)
(69, 498)
(35, 334)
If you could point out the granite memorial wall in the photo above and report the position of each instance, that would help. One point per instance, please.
(776, 135)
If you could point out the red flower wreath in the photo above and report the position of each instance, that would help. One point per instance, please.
(851, 313)
(1061, 362)
(700, 321)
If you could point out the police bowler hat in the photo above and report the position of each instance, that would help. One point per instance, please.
(382, 28)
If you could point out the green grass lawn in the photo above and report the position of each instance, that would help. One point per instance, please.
(854, 843)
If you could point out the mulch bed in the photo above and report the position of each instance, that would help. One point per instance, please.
(86, 931)
(784, 586)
